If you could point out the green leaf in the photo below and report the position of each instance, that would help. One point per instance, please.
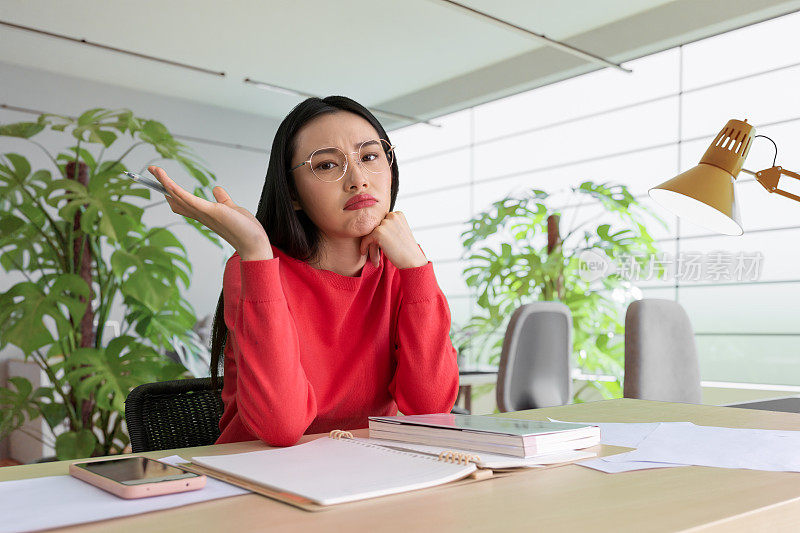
(96, 125)
(9, 226)
(109, 374)
(196, 172)
(103, 213)
(16, 403)
(88, 117)
(24, 324)
(13, 179)
(75, 444)
(53, 413)
(25, 130)
(83, 154)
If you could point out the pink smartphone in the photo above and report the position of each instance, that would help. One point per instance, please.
(136, 477)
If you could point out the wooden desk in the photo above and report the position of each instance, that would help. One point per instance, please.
(569, 498)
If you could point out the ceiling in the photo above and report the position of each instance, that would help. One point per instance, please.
(419, 58)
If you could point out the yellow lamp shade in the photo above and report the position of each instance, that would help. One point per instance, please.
(704, 194)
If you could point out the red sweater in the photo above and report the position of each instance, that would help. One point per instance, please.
(310, 350)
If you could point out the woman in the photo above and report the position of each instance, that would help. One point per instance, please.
(330, 311)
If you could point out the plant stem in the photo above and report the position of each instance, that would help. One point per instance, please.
(123, 155)
(107, 291)
(84, 237)
(150, 163)
(58, 168)
(154, 204)
(39, 437)
(579, 391)
(103, 426)
(56, 383)
(25, 274)
(110, 433)
(103, 312)
(116, 428)
(579, 226)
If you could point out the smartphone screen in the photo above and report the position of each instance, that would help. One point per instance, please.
(136, 470)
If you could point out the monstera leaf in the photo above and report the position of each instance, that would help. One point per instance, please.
(16, 403)
(17, 184)
(108, 374)
(24, 307)
(102, 213)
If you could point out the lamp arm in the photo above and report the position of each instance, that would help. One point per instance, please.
(769, 179)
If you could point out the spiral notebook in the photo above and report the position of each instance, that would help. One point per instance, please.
(333, 470)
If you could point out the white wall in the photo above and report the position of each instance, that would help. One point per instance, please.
(239, 169)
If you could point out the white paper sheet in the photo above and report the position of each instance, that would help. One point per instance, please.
(69, 501)
(755, 449)
(620, 433)
(628, 435)
(622, 466)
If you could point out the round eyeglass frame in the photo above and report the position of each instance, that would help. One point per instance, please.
(346, 159)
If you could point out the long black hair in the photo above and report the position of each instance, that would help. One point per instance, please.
(289, 230)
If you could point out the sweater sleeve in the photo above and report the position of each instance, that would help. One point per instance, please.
(274, 398)
(426, 377)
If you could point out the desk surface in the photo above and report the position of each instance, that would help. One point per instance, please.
(569, 498)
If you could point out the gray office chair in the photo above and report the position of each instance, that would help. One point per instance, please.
(660, 354)
(535, 363)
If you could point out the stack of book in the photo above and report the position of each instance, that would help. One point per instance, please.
(496, 435)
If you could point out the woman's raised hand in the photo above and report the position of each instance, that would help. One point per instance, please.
(233, 223)
(393, 235)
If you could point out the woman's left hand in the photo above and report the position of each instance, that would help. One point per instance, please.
(393, 236)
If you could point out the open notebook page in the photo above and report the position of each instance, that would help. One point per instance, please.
(329, 471)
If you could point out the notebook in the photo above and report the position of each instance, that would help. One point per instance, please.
(329, 471)
(507, 436)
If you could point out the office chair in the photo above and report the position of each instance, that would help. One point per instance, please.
(534, 366)
(660, 354)
(173, 414)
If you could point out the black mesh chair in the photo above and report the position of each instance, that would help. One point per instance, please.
(173, 414)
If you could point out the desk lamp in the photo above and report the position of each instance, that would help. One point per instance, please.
(704, 194)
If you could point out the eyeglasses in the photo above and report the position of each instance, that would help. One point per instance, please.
(330, 163)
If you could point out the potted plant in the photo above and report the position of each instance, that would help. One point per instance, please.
(517, 254)
(75, 234)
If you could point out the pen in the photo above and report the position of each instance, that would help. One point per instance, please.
(147, 182)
